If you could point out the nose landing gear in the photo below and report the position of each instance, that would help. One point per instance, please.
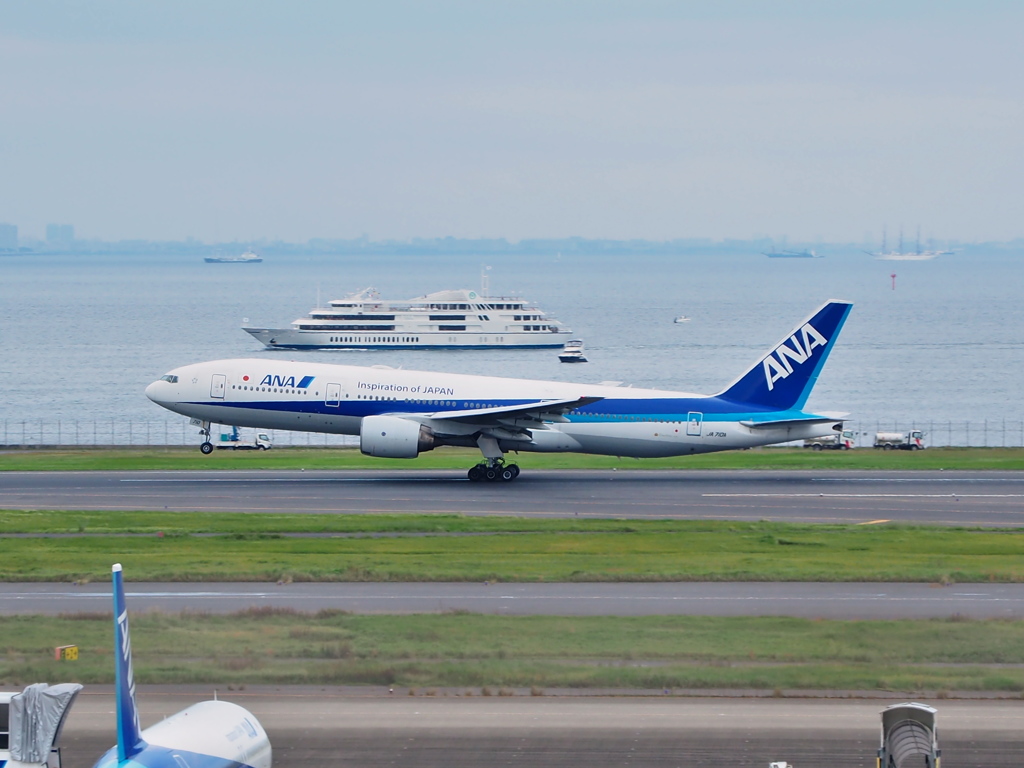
(206, 446)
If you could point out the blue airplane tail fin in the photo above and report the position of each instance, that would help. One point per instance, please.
(129, 730)
(783, 378)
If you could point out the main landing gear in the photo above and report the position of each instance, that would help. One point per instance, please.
(493, 472)
(493, 467)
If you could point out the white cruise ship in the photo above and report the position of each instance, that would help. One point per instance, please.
(457, 319)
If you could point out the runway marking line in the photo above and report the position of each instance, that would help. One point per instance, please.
(917, 480)
(866, 495)
(874, 522)
(18, 596)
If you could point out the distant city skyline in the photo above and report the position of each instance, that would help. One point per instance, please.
(653, 120)
(63, 235)
(60, 240)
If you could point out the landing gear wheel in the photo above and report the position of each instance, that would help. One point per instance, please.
(476, 473)
(206, 448)
(514, 468)
(816, 447)
(507, 473)
(491, 474)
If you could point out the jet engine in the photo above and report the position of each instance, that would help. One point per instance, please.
(391, 437)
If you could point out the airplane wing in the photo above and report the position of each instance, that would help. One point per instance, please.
(541, 410)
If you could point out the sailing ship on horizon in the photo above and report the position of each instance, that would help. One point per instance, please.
(882, 254)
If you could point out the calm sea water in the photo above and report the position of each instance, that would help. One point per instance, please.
(83, 335)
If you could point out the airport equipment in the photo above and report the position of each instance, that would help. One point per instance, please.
(65, 653)
(31, 723)
(909, 737)
(236, 441)
(904, 441)
(836, 442)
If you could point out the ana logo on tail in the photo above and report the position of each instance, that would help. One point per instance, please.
(126, 659)
(778, 364)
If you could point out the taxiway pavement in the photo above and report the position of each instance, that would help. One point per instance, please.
(323, 728)
(803, 600)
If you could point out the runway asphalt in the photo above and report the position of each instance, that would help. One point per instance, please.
(324, 728)
(942, 498)
(813, 601)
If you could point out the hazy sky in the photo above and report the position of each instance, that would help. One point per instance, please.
(245, 120)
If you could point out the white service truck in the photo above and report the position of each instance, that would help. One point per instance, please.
(836, 442)
(905, 441)
(236, 441)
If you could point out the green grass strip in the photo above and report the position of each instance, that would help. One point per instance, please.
(472, 650)
(180, 458)
(164, 546)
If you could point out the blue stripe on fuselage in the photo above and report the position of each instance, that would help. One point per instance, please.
(607, 410)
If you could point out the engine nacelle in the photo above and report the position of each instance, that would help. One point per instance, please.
(391, 437)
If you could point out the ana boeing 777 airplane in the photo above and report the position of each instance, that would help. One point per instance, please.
(210, 734)
(400, 414)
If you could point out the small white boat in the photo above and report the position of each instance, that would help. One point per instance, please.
(572, 352)
(246, 258)
(681, 319)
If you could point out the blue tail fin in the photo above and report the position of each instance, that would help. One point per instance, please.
(782, 379)
(129, 731)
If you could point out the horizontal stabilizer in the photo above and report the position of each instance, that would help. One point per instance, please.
(791, 422)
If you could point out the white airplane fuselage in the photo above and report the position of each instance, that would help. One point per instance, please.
(626, 422)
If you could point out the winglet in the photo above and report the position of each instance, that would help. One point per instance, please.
(783, 378)
(129, 730)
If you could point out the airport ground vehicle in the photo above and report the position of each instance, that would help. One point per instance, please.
(836, 442)
(236, 441)
(905, 441)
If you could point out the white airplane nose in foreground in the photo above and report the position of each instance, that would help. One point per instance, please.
(153, 392)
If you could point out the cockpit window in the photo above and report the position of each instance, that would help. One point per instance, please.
(169, 378)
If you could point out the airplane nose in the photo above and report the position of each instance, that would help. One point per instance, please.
(153, 392)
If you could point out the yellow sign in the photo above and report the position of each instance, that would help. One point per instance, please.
(66, 653)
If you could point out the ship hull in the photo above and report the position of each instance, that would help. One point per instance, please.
(907, 257)
(289, 338)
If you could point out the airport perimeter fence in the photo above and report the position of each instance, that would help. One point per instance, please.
(34, 433)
